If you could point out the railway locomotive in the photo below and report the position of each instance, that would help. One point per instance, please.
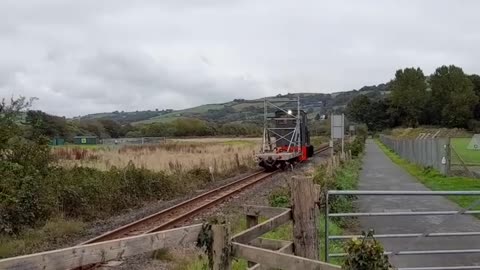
(286, 140)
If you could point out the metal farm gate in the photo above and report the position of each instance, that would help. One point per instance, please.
(398, 242)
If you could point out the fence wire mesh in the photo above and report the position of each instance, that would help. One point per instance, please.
(426, 152)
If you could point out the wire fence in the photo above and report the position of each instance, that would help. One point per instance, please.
(134, 141)
(429, 152)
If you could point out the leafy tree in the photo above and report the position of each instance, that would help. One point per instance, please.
(381, 115)
(376, 114)
(409, 94)
(453, 97)
(113, 128)
(358, 109)
(91, 127)
(43, 124)
(475, 79)
(192, 127)
(24, 162)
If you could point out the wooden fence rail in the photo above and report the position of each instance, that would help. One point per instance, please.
(261, 253)
(278, 254)
(77, 256)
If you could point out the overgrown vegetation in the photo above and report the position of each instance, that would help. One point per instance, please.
(358, 145)
(35, 192)
(344, 178)
(173, 157)
(55, 232)
(436, 181)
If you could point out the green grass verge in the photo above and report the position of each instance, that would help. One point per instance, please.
(436, 181)
(469, 156)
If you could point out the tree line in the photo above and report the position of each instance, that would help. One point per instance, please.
(448, 98)
(43, 124)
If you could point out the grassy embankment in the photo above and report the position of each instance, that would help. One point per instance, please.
(436, 181)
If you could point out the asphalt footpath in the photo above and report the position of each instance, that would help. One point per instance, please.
(380, 173)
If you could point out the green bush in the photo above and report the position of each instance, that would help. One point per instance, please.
(344, 178)
(365, 254)
(279, 197)
(357, 146)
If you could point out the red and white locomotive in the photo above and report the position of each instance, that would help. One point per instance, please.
(286, 140)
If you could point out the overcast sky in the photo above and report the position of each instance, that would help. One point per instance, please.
(90, 56)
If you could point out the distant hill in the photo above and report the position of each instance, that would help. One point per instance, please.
(245, 111)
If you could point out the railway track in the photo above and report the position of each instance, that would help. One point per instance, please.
(167, 218)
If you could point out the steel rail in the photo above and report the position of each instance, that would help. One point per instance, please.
(167, 218)
(123, 231)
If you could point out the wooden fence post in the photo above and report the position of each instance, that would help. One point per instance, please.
(305, 238)
(251, 221)
(221, 247)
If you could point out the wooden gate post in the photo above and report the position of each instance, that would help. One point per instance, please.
(251, 221)
(221, 247)
(305, 238)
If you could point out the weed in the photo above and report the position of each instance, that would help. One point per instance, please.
(280, 197)
(55, 231)
(365, 254)
(163, 254)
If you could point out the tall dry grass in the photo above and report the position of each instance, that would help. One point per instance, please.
(222, 157)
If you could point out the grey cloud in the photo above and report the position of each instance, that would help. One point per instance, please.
(89, 56)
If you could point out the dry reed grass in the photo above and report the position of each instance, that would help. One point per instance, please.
(221, 156)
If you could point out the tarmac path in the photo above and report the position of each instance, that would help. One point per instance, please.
(380, 173)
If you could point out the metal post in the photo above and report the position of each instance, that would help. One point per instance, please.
(448, 157)
(331, 137)
(326, 227)
(264, 123)
(343, 133)
(299, 139)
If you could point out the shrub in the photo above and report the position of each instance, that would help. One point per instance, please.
(279, 197)
(23, 167)
(344, 178)
(365, 254)
(357, 146)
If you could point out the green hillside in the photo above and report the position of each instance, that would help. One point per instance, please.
(245, 111)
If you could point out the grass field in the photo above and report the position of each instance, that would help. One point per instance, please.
(222, 155)
(460, 145)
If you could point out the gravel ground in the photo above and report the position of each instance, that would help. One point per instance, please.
(101, 226)
(230, 210)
